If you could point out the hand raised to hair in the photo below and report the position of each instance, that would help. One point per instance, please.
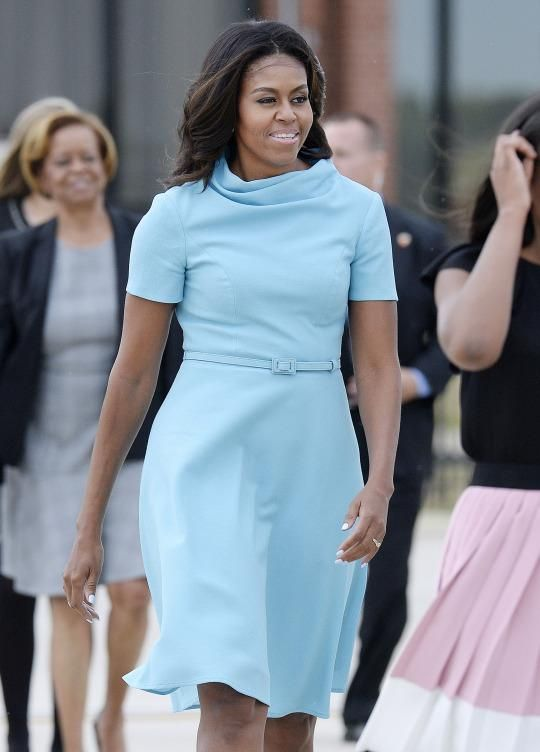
(511, 175)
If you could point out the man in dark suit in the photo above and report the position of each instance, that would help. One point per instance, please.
(358, 153)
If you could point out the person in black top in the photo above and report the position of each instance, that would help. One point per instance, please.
(20, 208)
(469, 677)
(358, 153)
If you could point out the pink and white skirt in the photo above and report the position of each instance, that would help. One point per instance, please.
(468, 680)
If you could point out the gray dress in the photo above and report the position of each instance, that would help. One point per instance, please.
(42, 496)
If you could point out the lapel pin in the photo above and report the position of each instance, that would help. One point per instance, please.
(404, 239)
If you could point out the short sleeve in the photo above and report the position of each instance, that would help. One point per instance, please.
(463, 257)
(372, 269)
(158, 253)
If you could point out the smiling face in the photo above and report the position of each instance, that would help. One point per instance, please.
(73, 172)
(274, 118)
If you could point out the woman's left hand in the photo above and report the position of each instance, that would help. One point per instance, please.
(370, 507)
(82, 573)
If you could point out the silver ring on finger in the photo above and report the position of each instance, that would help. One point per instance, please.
(378, 543)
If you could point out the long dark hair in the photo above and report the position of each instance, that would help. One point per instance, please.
(210, 108)
(526, 119)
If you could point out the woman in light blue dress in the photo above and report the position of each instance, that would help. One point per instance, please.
(252, 509)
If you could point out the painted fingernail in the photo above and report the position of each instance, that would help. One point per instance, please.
(339, 553)
(345, 526)
(89, 621)
(339, 561)
(91, 599)
(363, 565)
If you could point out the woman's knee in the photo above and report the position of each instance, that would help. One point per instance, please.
(66, 620)
(61, 610)
(131, 594)
(293, 731)
(230, 709)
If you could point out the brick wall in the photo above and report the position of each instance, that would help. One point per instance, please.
(353, 39)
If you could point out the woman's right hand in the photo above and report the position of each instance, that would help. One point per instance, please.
(511, 175)
(81, 575)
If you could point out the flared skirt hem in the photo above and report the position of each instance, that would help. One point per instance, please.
(415, 719)
(185, 696)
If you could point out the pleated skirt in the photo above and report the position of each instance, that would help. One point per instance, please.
(468, 679)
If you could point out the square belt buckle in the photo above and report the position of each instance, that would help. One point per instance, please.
(286, 366)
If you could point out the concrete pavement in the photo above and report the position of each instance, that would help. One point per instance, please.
(150, 726)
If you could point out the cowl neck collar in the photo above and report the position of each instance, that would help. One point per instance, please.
(298, 185)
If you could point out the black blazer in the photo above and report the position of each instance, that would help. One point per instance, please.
(415, 242)
(26, 262)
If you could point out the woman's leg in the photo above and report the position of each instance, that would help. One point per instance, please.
(71, 649)
(230, 721)
(292, 733)
(127, 627)
(16, 656)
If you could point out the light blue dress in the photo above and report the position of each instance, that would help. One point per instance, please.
(249, 473)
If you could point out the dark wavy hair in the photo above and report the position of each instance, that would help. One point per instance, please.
(526, 119)
(210, 107)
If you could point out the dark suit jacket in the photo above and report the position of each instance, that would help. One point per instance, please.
(415, 242)
(26, 262)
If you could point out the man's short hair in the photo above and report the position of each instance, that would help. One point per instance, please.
(375, 131)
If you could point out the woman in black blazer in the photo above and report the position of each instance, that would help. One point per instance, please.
(21, 208)
(61, 298)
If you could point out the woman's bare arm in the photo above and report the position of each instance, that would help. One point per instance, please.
(129, 392)
(373, 326)
(474, 310)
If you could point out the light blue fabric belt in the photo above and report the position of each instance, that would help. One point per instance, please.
(284, 366)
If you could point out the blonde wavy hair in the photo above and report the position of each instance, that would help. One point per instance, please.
(37, 143)
(12, 182)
